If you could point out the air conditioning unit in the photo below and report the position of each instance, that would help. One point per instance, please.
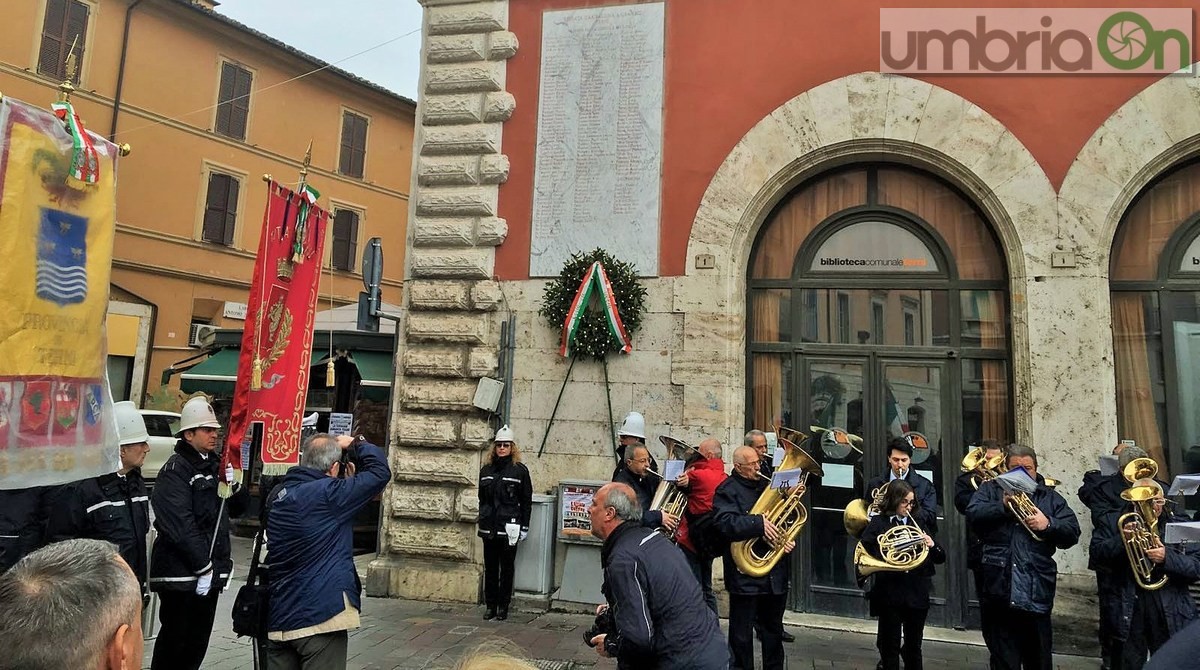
(201, 335)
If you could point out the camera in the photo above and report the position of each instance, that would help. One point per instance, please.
(602, 626)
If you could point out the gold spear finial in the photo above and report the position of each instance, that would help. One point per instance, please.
(307, 162)
(72, 68)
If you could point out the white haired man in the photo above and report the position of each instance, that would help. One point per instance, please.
(71, 604)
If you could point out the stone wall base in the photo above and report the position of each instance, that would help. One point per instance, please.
(446, 581)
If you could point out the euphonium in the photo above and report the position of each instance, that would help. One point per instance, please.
(858, 513)
(1022, 507)
(667, 497)
(903, 548)
(985, 468)
(782, 507)
(1144, 518)
(1140, 468)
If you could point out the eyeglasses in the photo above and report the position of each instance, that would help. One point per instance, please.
(906, 501)
(504, 445)
(754, 462)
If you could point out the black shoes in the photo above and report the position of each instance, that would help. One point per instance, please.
(502, 614)
(788, 637)
(490, 614)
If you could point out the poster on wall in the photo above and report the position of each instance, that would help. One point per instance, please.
(574, 499)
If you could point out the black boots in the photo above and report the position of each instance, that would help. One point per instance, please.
(502, 614)
(490, 614)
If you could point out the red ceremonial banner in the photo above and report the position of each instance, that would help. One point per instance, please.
(268, 402)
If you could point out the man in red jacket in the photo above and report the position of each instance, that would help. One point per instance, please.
(700, 481)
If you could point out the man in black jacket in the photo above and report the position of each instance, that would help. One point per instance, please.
(659, 619)
(760, 600)
(964, 488)
(637, 475)
(190, 562)
(112, 507)
(1146, 619)
(1102, 496)
(900, 454)
(22, 522)
(1018, 570)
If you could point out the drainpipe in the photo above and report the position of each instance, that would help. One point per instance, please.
(112, 135)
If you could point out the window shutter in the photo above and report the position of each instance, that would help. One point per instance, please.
(352, 242)
(231, 211)
(337, 257)
(77, 19)
(224, 93)
(51, 55)
(347, 143)
(360, 145)
(240, 107)
(214, 217)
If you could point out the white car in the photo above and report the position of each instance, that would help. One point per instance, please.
(161, 426)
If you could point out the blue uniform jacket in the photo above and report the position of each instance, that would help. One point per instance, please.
(310, 540)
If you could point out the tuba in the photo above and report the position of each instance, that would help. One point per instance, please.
(782, 507)
(903, 548)
(858, 513)
(667, 497)
(1141, 493)
(984, 468)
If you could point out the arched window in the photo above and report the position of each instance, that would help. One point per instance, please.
(1155, 282)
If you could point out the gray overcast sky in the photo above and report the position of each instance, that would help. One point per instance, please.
(333, 31)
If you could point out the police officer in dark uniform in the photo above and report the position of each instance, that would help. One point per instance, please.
(112, 507)
(505, 503)
(190, 562)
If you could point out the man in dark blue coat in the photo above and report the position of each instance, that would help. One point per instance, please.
(314, 587)
(752, 600)
(900, 453)
(638, 475)
(1017, 570)
(1146, 619)
(1102, 496)
(659, 619)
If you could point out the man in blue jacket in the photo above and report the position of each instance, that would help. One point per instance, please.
(659, 620)
(314, 588)
(1017, 569)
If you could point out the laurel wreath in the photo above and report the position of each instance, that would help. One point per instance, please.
(281, 327)
(593, 339)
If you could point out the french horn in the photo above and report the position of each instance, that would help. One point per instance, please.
(903, 549)
(783, 508)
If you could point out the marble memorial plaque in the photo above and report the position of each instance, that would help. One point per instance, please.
(597, 181)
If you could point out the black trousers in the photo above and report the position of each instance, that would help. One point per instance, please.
(326, 651)
(186, 623)
(767, 612)
(499, 561)
(1016, 639)
(1147, 632)
(702, 569)
(893, 621)
(1108, 595)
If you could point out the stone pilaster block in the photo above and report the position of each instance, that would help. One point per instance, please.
(453, 468)
(424, 502)
(486, 296)
(447, 327)
(479, 138)
(467, 506)
(492, 169)
(464, 77)
(442, 110)
(426, 361)
(502, 45)
(483, 17)
(703, 368)
(438, 396)
(448, 171)
(459, 48)
(476, 433)
(443, 232)
(491, 231)
(457, 201)
(469, 263)
(438, 295)
(498, 107)
(424, 430)
(422, 578)
(436, 540)
(482, 362)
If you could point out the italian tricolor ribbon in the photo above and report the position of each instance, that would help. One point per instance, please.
(308, 199)
(595, 280)
(85, 162)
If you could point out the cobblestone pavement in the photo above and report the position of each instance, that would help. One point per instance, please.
(406, 635)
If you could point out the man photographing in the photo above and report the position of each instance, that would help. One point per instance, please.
(315, 594)
(659, 619)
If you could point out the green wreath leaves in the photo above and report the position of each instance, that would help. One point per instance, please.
(593, 339)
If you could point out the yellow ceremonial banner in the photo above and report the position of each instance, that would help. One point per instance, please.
(56, 239)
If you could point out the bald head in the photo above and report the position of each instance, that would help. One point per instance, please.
(744, 454)
(710, 448)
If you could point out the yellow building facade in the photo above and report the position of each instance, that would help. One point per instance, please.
(209, 106)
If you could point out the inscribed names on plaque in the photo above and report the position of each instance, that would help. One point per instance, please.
(597, 181)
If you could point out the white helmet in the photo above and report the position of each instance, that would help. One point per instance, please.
(634, 426)
(197, 413)
(130, 426)
(505, 434)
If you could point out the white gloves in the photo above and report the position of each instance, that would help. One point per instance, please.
(524, 534)
(229, 473)
(204, 583)
(513, 531)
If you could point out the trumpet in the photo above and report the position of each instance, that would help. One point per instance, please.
(903, 549)
(668, 499)
(985, 468)
(783, 509)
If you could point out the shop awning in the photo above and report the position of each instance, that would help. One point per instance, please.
(375, 368)
(215, 375)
